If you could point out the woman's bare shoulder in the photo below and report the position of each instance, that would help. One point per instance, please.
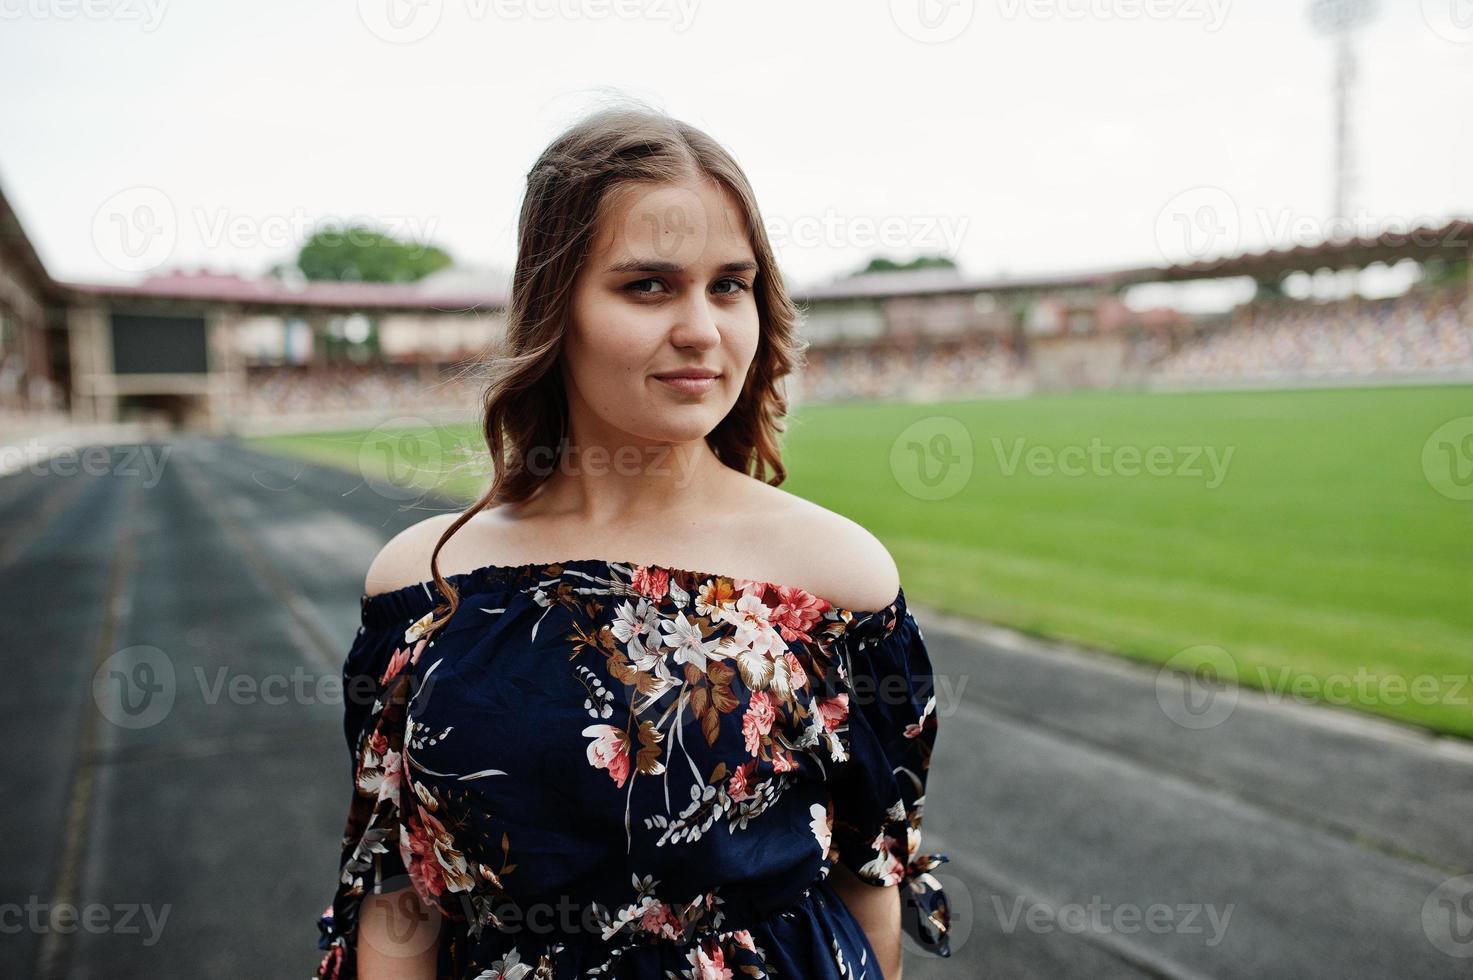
(833, 555)
(405, 559)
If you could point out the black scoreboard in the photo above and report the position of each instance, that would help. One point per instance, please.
(158, 344)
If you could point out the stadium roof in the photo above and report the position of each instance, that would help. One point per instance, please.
(276, 295)
(934, 282)
(1450, 242)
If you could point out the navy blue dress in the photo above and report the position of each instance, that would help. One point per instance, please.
(598, 769)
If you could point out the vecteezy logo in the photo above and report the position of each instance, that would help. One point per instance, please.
(400, 21)
(414, 926)
(932, 458)
(1447, 917)
(1198, 224)
(135, 687)
(668, 223)
(932, 21)
(136, 229)
(1451, 20)
(1447, 459)
(402, 458)
(1197, 688)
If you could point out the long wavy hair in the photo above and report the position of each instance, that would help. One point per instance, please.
(524, 406)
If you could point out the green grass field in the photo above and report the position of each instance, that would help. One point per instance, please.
(1299, 531)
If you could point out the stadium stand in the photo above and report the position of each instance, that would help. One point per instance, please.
(984, 365)
(304, 389)
(1425, 332)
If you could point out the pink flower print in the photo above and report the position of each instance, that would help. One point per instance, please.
(659, 920)
(418, 647)
(757, 721)
(709, 962)
(750, 587)
(609, 750)
(434, 862)
(738, 787)
(783, 761)
(396, 664)
(833, 710)
(649, 580)
(381, 778)
(419, 859)
(885, 867)
(797, 613)
(753, 628)
(796, 672)
(332, 964)
(454, 868)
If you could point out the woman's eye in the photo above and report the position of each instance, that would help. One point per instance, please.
(633, 287)
(738, 286)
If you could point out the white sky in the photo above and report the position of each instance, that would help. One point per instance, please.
(1045, 136)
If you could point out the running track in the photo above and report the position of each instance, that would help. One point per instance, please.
(1059, 780)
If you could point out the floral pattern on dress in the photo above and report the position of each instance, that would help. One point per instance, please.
(725, 760)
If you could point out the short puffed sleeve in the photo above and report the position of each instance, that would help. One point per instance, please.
(376, 681)
(879, 789)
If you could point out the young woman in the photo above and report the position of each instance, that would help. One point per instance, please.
(601, 756)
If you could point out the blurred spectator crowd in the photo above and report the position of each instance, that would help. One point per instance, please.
(1420, 333)
(986, 365)
(1424, 333)
(303, 389)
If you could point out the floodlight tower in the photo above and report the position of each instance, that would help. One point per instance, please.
(1339, 20)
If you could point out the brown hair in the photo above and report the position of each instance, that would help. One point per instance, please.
(523, 405)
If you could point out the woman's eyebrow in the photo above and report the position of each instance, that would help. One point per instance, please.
(656, 265)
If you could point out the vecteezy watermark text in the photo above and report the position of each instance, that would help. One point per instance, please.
(1211, 13)
(1099, 459)
(42, 460)
(1098, 916)
(118, 919)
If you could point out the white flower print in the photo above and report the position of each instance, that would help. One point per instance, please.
(509, 968)
(691, 646)
(631, 620)
(419, 627)
(752, 619)
(383, 784)
(822, 829)
(821, 826)
(708, 966)
(650, 659)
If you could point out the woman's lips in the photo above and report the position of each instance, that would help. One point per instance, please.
(690, 385)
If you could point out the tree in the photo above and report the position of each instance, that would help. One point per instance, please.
(359, 254)
(882, 264)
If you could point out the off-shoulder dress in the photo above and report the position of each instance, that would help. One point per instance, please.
(606, 769)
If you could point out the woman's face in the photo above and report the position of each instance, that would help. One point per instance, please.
(667, 289)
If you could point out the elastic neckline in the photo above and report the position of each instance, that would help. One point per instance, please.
(413, 601)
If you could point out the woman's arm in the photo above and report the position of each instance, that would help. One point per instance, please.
(398, 938)
(877, 908)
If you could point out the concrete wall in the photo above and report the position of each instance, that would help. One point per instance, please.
(25, 381)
